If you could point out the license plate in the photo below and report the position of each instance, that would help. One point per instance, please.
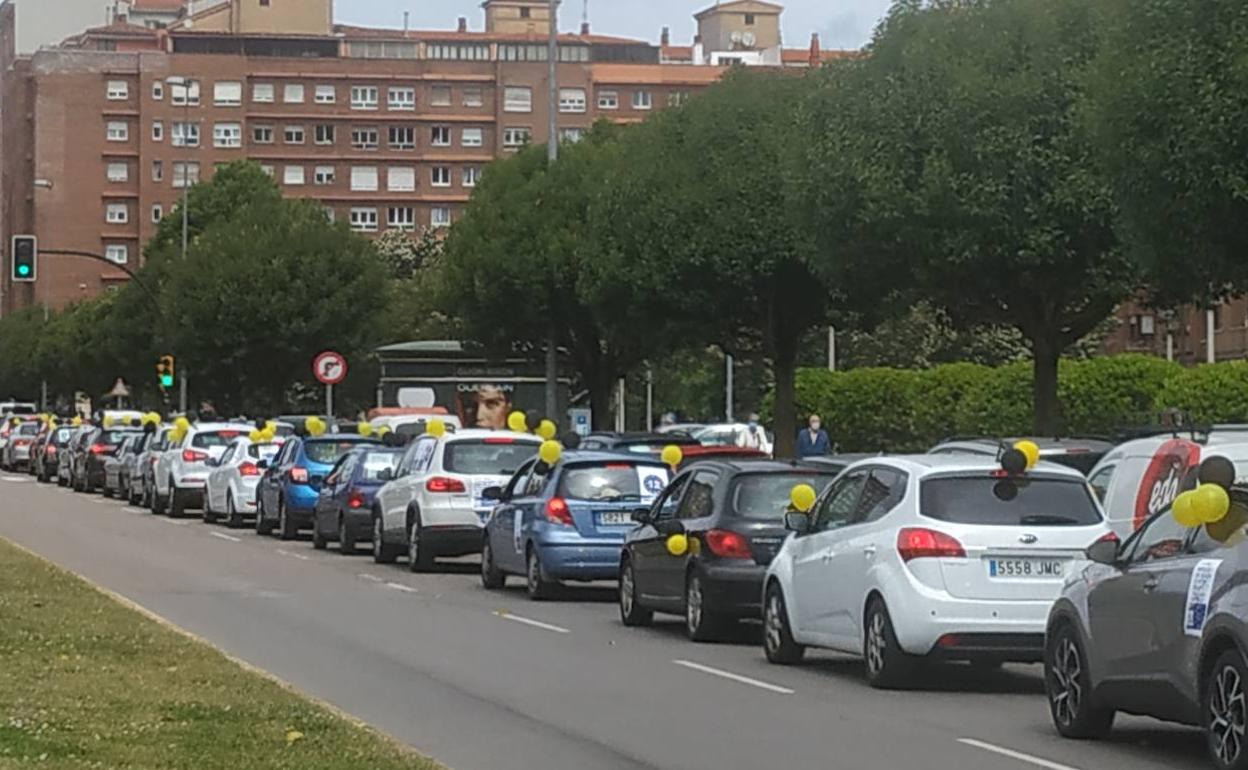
(615, 518)
(1025, 568)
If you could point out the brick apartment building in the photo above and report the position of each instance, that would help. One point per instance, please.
(1189, 335)
(387, 128)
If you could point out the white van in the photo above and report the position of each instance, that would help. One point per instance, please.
(1136, 479)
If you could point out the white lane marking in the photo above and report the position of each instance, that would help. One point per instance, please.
(224, 536)
(371, 578)
(101, 501)
(132, 509)
(1012, 754)
(401, 587)
(530, 622)
(293, 555)
(733, 677)
(18, 479)
(167, 520)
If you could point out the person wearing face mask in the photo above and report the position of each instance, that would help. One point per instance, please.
(813, 441)
(754, 437)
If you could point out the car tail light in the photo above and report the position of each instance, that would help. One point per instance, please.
(499, 440)
(51, 449)
(355, 500)
(98, 449)
(920, 543)
(249, 469)
(1108, 537)
(298, 475)
(193, 456)
(445, 486)
(557, 511)
(22, 442)
(727, 545)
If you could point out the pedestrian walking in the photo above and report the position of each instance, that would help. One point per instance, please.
(812, 441)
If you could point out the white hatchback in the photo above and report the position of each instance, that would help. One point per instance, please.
(232, 482)
(946, 557)
(182, 469)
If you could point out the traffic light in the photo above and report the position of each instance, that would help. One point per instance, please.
(25, 258)
(165, 371)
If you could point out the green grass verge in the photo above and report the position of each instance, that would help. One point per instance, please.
(86, 682)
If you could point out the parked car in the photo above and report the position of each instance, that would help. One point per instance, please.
(16, 454)
(115, 465)
(182, 469)
(290, 486)
(1078, 453)
(734, 434)
(91, 452)
(49, 452)
(1156, 627)
(914, 558)
(344, 506)
(233, 479)
(129, 481)
(640, 443)
(732, 512)
(566, 522)
(75, 447)
(144, 476)
(436, 505)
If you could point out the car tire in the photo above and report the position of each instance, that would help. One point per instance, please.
(1224, 704)
(701, 624)
(383, 552)
(319, 541)
(287, 529)
(158, 506)
(233, 519)
(107, 491)
(492, 578)
(888, 666)
(538, 584)
(210, 517)
(632, 614)
(778, 643)
(419, 559)
(177, 505)
(1068, 688)
(346, 537)
(264, 525)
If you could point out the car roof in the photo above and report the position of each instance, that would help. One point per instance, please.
(211, 427)
(481, 433)
(759, 465)
(933, 464)
(337, 438)
(606, 456)
(1045, 443)
(644, 438)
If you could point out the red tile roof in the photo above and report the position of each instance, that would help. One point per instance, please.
(677, 52)
(119, 29)
(802, 55)
(654, 74)
(158, 5)
(449, 35)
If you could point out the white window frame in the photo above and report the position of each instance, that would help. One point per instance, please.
(441, 96)
(316, 134)
(571, 134)
(440, 136)
(117, 253)
(609, 99)
(408, 145)
(510, 133)
(643, 99)
(258, 138)
(406, 101)
(158, 213)
(364, 179)
(401, 179)
(440, 216)
(227, 136)
(184, 134)
(286, 134)
(325, 175)
(117, 91)
(360, 138)
(472, 137)
(227, 93)
(326, 94)
(158, 91)
(406, 219)
(471, 175)
(185, 178)
(365, 98)
(268, 170)
(158, 171)
(364, 219)
(440, 176)
(517, 99)
(473, 96)
(263, 93)
(117, 131)
(158, 131)
(293, 93)
(117, 214)
(117, 172)
(184, 95)
(573, 100)
(294, 176)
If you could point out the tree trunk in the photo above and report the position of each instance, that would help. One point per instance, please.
(1048, 418)
(784, 367)
(601, 385)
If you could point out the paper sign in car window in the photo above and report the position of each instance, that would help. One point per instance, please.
(1199, 590)
(651, 481)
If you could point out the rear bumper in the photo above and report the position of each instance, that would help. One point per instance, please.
(449, 541)
(1022, 648)
(733, 589)
(301, 501)
(190, 497)
(580, 561)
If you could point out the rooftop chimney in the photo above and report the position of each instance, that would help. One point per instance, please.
(584, 28)
(816, 57)
(463, 24)
(665, 37)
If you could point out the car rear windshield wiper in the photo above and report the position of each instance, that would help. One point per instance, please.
(618, 498)
(1047, 518)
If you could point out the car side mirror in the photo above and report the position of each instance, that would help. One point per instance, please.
(386, 474)
(1103, 552)
(796, 521)
(642, 516)
(494, 494)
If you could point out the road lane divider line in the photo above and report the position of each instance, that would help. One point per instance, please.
(132, 509)
(401, 587)
(175, 522)
(505, 615)
(293, 555)
(368, 577)
(224, 536)
(734, 677)
(17, 479)
(1012, 754)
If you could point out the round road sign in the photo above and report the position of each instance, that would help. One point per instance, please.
(330, 368)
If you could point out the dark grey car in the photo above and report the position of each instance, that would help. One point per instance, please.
(1157, 627)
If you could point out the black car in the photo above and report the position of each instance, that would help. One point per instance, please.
(90, 452)
(732, 514)
(641, 443)
(48, 452)
(344, 509)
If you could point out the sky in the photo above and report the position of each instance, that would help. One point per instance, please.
(840, 23)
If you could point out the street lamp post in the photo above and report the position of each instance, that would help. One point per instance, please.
(552, 154)
(185, 84)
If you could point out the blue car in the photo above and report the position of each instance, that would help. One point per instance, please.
(344, 507)
(567, 522)
(291, 484)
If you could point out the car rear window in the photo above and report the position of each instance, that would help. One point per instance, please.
(27, 429)
(263, 451)
(1026, 502)
(215, 438)
(613, 481)
(767, 495)
(486, 457)
(114, 437)
(328, 452)
(373, 463)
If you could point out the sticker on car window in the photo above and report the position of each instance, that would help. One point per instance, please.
(1199, 590)
(651, 481)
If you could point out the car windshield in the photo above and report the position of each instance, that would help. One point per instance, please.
(1012, 502)
(767, 495)
(613, 481)
(263, 451)
(374, 463)
(327, 452)
(486, 457)
(214, 438)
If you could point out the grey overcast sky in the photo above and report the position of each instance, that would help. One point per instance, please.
(840, 23)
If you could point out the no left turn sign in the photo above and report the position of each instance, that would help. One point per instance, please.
(330, 368)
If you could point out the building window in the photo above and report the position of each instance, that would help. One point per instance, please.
(158, 213)
(326, 94)
(401, 218)
(116, 254)
(472, 175)
(184, 134)
(294, 134)
(440, 176)
(523, 53)
(641, 100)
(325, 133)
(118, 172)
(364, 97)
(524, 13)
(439, 217)
(364, 178)
(401, 179)
(331, 216)
(185, 174)
(473, 96)
(571, 100)
(293, 93)
(263, 93)
(518, 99)
(158, 131)
(118, 91)
(364, 138)
(117, 214)
(185, 94)
(118, 131)
(401, 99)
(472, 137)
(268, 170)
(440, 136)
(516, 137)
(677, 98)
(262, 134)
(571, 135)
(158, 171)
(364, 220)
(292, 175)
(227, 93)
(573, 53)
(227, 135)
(158, 91)
(608, 100)
(402, 138)
(440, 96)
(325, 175)
(749, 20)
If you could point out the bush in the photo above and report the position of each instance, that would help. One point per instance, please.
(1211, 393)
(1101, 396)
(865, 410)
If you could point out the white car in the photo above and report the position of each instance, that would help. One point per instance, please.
(231, 487)
(181, 473)
(412, 425)
(944, 557)
(434, 505)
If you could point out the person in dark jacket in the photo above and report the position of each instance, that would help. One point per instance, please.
(813, 440)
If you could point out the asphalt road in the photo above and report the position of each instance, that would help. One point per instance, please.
(491, 681)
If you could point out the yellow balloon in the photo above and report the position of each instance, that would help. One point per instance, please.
(672, 455)
(151, 418)
(547, 430)
(108, 421)
(52, 423)
(436, 428)
(803, 497)
(678, 545)
(77, 421)
(315, 426)
(383, 430)
(1030, 450)
(550, 452)
(1211, 503)
(517, 422)
(268, 435)
(1184, 510)
(255, 436)
(182, 424)
(365, 429)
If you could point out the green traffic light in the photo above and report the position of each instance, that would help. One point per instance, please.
(166, 380)
(23, 270)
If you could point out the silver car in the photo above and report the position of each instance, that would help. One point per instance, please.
(1156, 627)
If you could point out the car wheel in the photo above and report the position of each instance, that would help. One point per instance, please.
(701, 624)
(319, 541)
(287, 529)
(383, 553)
(539, 585)
(346, 537)
(888, 666)
(631, 612)
(157, 506)
(177, 504)
(107, 491)
(778, 641)
(1069, 688)
(419, 557)
(210, 517)
(1226, 711)
(491, 576)
(264, 525)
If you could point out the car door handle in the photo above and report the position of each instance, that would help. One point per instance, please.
(1151, 584)
(869, 552)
